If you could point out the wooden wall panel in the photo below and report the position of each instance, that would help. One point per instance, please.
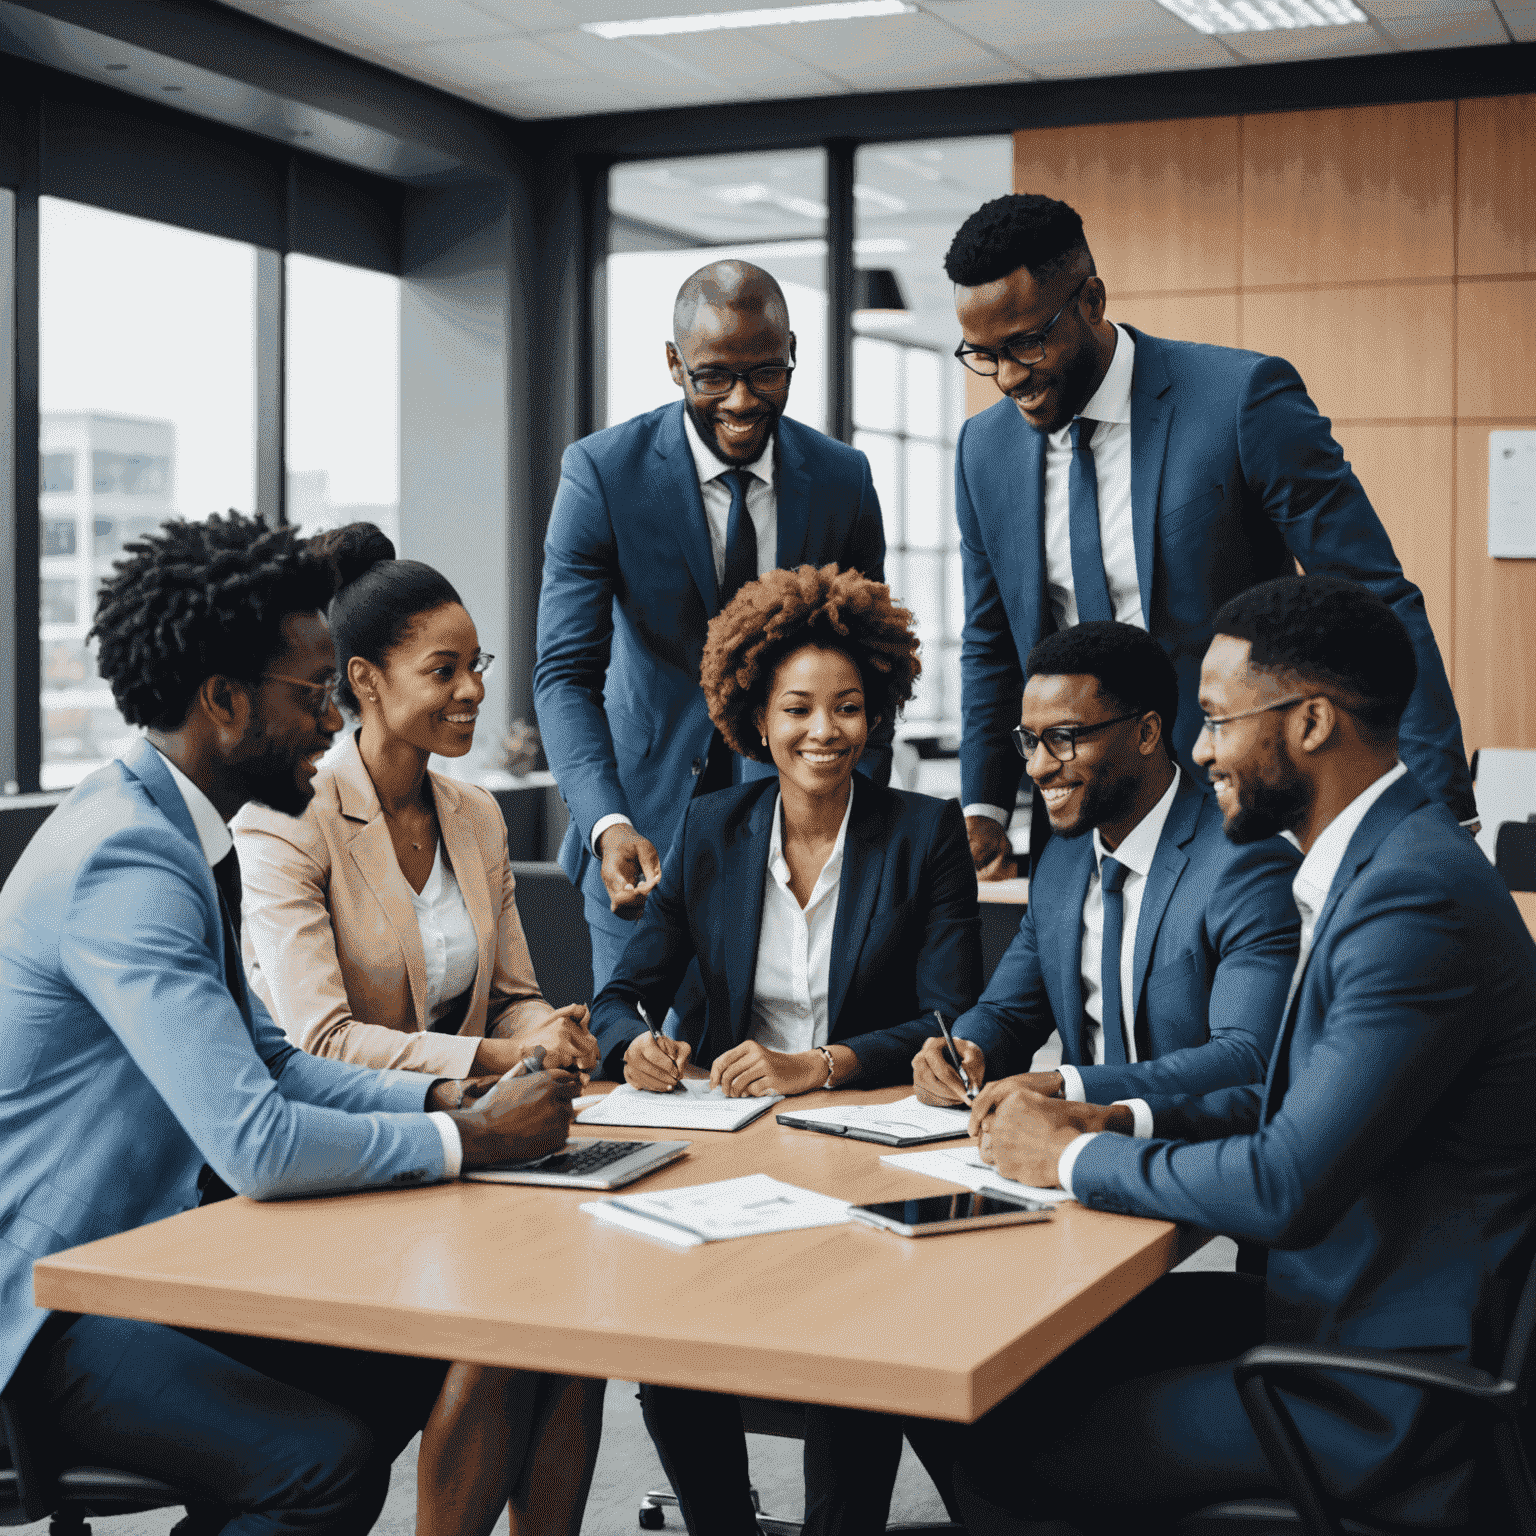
(1161, 202)
(1407, 472)
(1496, 185)
(1496, 348)
(1209, 317)
(1495, 669)
(1359, 194)
(1364, 353)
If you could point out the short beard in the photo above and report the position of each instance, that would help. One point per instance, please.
(706, 431)
(1269, 809)
(272, 779)
(1101, 803)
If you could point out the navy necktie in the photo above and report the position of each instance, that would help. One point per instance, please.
(226, 875)
(740, 539)
(1111, 878)
(1089, 584)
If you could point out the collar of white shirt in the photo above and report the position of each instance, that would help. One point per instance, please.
(1314, 879)
(1112, 399)
(209, 825)
(830, 871)
(1139, 845)
(711, 468)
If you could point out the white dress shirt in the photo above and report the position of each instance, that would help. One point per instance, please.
(1309, 887)
(214, 838)
(762, 508)
(794, 948)
(448, 942)
(1110, 407)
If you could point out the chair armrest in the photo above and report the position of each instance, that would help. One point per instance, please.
(1296, 1360)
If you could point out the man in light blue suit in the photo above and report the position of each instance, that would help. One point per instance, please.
(1388, 1160)
(1142, 912)
(136, 1069)
(657, 523)
(1127, 477)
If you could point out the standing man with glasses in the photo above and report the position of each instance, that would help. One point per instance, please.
(1159, 950)
(657, 523)
(1131, 478)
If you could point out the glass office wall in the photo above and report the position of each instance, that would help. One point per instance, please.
(909, 398)
(670, 217)
(343, 396)
(147, 395)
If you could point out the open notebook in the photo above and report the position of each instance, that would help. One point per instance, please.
(696, 1107)
(906, 1123)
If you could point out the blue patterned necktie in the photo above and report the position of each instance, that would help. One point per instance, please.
(740, 539)
(1089, 584)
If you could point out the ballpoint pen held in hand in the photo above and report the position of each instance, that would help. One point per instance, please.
(658, 1037)
(954, 1058)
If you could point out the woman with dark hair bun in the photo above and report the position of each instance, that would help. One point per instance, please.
(380, 927)
(829, 917)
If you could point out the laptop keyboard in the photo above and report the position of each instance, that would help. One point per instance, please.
(592, 1157)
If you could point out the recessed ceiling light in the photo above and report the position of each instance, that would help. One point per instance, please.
(726, 21)
(1263, 15)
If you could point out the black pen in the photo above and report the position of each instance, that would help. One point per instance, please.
(660, 1040)
(954, 1058)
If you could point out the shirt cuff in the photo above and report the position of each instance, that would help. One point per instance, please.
(991, 812)
(1071, 1083)
(1068, 1160)
(1141, 1117)
(615, 819)
(453, 1147)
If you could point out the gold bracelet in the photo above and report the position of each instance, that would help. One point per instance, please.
(831, 1067)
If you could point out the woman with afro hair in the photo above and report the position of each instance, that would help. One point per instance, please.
(830, 919)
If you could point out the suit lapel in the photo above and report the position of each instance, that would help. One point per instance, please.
(1151, 417)
(857, 892)
(743, 869)
(1061, 935)
(792, 496)
(1168, 863)
(682, 504)
(469, 870)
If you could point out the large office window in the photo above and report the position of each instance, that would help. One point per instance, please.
(670, 217)
(343, 396)
(147, 395)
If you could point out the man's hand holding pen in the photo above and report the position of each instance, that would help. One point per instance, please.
(934, 1076)
(1023, 1133)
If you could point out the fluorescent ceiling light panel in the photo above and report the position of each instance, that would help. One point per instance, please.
(1263, 15)
(728, 21)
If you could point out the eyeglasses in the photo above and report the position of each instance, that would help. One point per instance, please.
(1212, 726)
(1061, 740)
(327, 691)
(1026, 351)
(765, 379)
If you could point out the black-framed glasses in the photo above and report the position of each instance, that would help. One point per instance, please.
(1061, 740)
(1026, 351)
(765, 379)
(327, 691)
(1211, 725)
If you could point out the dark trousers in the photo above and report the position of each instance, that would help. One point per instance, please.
(850, 1464)
(1139, 1420)
(286, 1437)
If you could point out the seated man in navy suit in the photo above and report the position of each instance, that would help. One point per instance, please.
(1388, 1160)
(137, 1069)
(1199, 934)
(658, 522)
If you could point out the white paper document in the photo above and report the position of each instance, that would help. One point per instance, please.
(697, 1108)
(708, 1213)
(963, 1165)
(907, 1120)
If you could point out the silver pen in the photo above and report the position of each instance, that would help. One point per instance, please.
(954, 1058)
(659, 1038)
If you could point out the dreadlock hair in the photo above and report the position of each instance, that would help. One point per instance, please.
(1022, 229)
(784, 610)
(195, 600)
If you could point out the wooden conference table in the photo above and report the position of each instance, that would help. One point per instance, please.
(511, 1275)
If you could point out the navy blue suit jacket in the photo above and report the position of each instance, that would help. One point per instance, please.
(629, 587)
(1389, 1157)
(1215, 947)
(907, 937)
(1233, 473)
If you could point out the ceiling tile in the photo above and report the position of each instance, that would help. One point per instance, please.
(527, 15)
(1521, 20)
(385, 24)
(1306, 42)
(564, 98)
(894, 52)
(1441, 31)
(492, 61)
(748, 59)
(1389, 11)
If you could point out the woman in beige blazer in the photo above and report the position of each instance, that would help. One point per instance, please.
(380, 928)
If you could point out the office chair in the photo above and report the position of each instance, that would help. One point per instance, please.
(555, 926)
(1496, 1412)
(764, 1416)
(31, 1488)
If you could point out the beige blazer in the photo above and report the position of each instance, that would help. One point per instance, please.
(330, 937)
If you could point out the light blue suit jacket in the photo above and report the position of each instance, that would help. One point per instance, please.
(125, 1063)
(1234, 477)
(629, 589)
